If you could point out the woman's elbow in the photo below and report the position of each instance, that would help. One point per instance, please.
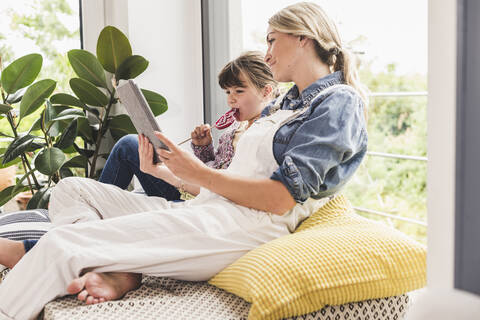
(282, 201)
(283, 206)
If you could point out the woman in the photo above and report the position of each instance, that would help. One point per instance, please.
(304, 148)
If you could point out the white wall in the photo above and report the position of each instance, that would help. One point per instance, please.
(169, 35)
(441, 118)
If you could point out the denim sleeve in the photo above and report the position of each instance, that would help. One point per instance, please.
(326, 149)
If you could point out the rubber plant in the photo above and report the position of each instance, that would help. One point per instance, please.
(71, 129)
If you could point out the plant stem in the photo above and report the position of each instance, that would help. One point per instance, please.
(22, 156)
(101, 132)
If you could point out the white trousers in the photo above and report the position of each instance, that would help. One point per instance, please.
(116, 230)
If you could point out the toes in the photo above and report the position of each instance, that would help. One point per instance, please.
(83, 295)
(90, 300)
(95, 301)
(76, 285)
(102, 300)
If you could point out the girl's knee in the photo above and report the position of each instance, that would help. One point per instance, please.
(126, 145)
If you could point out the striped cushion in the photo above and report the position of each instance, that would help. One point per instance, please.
(24, 225)
(334, 257)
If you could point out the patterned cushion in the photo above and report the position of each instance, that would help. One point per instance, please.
(333, 258)
(23, 225)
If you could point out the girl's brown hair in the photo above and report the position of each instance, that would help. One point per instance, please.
(254, 69)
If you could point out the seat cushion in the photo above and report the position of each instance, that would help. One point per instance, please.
(334, 257)
(168, 299)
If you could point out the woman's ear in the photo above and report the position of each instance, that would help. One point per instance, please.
(303, 40)
(267, 91)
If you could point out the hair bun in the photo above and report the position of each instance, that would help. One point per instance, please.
(334, 51)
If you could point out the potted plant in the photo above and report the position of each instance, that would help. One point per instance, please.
(71, 129)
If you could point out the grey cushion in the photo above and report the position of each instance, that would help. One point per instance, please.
(24, 225)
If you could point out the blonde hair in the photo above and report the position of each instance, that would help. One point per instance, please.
(309, 20)
(252, 66)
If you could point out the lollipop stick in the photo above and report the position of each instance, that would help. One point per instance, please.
(184, 141)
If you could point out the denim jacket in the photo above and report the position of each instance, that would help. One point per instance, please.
(320, 150)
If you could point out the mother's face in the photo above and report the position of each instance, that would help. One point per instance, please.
(282, 54)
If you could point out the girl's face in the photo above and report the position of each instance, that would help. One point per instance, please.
(247, 100)
(282, 53)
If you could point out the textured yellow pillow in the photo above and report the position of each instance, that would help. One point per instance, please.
(334, 257)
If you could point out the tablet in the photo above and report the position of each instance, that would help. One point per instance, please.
(140, 113)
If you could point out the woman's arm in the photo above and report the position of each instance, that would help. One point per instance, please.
(260, 194)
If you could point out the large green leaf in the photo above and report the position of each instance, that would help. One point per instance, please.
(66, 99)
(121, 125)
(131, 67)
(8, 193)
(84, 129)
(87, 67)
(157, 102)
(88, 93)
(4, 108)
(35, 96)
(84, 152)
(76, 162)
(113, 48)
(40, 199)
(69, 114)
(68, 136)
(21, 72)
(65, 172)
(17, 147)
(69, 100)
(49, 160)
(11, 163)
(49, 113)
(58, 126)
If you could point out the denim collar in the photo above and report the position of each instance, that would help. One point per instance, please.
(312, 90)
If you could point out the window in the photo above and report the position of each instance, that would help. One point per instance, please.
(392, 50)
(48, 27)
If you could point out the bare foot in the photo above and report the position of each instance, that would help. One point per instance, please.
(11, 252)
(95, 287)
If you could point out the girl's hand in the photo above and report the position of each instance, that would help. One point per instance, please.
(202, 135)
(181, 163)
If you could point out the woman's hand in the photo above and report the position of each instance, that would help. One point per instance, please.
(182, 164)
(145, 154)
(202, 135)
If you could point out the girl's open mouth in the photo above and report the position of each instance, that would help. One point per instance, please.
(236, 113)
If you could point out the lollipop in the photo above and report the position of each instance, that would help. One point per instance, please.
(223, 122)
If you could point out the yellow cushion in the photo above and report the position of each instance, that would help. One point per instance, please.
(334, 257)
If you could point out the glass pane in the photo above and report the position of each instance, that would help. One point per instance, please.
(48, 27)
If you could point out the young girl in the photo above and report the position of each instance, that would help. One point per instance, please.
(248, 83)
(304, 148)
